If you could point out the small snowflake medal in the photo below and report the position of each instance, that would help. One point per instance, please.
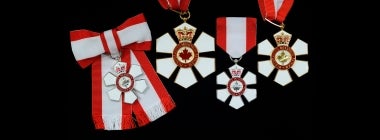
(283, 58)
(185, 55)
(125, 82)
(236, 87)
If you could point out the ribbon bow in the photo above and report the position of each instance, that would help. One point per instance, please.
(133, 34)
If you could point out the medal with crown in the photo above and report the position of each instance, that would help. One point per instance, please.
(125, 82)
(189, 58)
(185, 55)
(283, 58)
(236, 86)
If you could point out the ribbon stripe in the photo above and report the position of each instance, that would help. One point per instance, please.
(110, 43)
(87, 44)
(177, 5)
(275, 10)
(128, 41)
(236, 35)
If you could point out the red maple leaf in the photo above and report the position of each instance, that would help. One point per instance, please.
(185, 54)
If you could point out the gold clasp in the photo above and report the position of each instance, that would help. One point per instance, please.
(183, 15)
(282, 25)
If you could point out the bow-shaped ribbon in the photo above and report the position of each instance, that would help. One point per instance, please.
(133, 34)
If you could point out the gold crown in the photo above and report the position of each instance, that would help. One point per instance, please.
(185, 32)
(282, 38)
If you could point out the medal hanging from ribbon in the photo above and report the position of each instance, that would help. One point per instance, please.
(126, 91)
(185, 54)
(236, 36)
(282, 57)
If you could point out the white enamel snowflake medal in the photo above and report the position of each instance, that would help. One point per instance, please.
(125, 82)
(236, 87)
(185, 55)
(283, 58)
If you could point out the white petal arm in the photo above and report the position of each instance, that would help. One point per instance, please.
(140, 86)
(129, 97)
(135, 71)
(114, 94)
(109, 79)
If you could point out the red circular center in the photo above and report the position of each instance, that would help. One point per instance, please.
(124, 82)
(283, 57)
(185, 54)
(236, 86)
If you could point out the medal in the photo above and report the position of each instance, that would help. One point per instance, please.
(125, 82)
(236, 36)
(126, 91)
(282, 57)
(236, 86)
(185, 53)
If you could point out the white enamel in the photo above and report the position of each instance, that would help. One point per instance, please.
(249, 78)
(140, 86)
(222, 79)
(135, 71)
(300, 67)
(236, 66)
(264, 48)
(114, 94)
(250, 94)
(165, 67)
(222, 94)
(109, 79)
(300, 47)
(205, 43)
(236, 102)
(185, 25)
(120, 67)
(165, 44)
(129, 97)
(265, 67)
(185, 77)
(205, 66)
(283, 77)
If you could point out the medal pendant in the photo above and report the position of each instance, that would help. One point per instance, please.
(125, 82)
(236, 86)
(283, 58)
(185, 55)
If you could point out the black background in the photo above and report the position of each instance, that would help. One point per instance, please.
(277, 113)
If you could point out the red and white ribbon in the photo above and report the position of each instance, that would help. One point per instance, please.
(177, 5)
(87, 44)
(128, 41)
(275, 10)
(236, 35)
